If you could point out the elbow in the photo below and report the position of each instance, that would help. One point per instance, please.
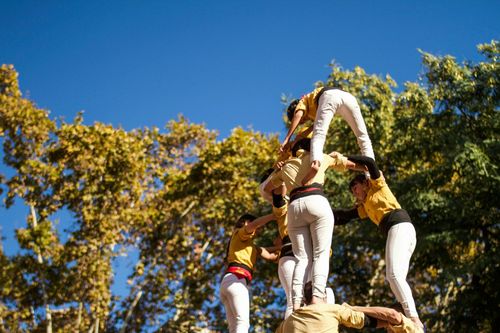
(394, 317)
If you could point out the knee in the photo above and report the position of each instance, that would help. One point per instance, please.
(394, 317)
(394, 276)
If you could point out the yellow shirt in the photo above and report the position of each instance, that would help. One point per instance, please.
(241, 248)
(281, 219)
(296, 168)
(378, 202)
(308, 104)
(407, 326)
(324, 318)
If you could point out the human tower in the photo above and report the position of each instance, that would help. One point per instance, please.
(305, 223)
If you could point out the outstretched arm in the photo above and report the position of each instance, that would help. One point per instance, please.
(268, 253)
(297, 116)
(344, 216)
(383, 315)
(259, 222)
(368, 162)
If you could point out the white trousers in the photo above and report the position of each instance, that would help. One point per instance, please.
(401, 241)
(337, 102)
(310, 226)
(286, 266)
(235, 297)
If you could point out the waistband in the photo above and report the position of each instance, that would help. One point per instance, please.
(240, 270)
(304, 191)
(392, 218)
(321, 93)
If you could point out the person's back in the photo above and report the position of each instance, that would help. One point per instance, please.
(321, 318)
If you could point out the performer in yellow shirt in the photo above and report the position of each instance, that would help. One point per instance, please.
(241, 258)
(320, 106)
(376, 202)
(324, 318)
(391, 319)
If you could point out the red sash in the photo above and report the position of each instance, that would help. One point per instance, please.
(240, 272)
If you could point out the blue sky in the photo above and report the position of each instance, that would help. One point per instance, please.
(224, 63)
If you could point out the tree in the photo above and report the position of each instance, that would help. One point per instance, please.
(173, 195)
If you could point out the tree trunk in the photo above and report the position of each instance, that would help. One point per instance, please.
(48, 314)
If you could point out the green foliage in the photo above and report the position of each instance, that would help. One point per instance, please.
(174, 194)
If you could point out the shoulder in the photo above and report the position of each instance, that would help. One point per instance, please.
(379, 182)
(244, 234)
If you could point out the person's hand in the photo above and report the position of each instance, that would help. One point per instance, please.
(285, 145)
(280, 164)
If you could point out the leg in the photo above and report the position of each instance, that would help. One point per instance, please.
(401, 242)
(234, 295)
(228, 304)
(324, 115)
(298, 230)
(286, 267)
(351, 113)
(321, 233)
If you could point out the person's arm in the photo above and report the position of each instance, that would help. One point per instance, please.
(368, 162)
(349, 317)
(303, 134)
(340, 162)
(259, 222)
(297, 116)
(268, 253)
(382, 314)
(279, 196)
(344, 216)
(355, 167)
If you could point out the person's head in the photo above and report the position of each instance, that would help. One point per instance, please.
(359, 187)
(290, 111)
(398, 307)
(244, 219)
(304, 144)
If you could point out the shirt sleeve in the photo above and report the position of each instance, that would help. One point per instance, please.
(378, 183)
(362, 212)
(337, 161)
(351, 318)
(280, 211)
(276, 179)
(244, 235)
(301, 105)
(305, 104)
(406, 326)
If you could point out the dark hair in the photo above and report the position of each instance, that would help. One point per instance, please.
(359, 179)
(301, 144)
(245, 218)
(308, 292)
(290, 111)
(398, 307)
(265, 175)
